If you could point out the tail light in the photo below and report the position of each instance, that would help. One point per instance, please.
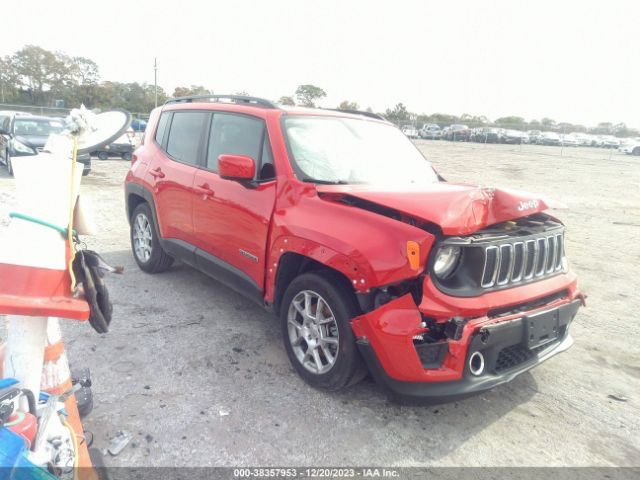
(134, 158)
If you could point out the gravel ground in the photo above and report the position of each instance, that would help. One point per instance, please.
(199, 376)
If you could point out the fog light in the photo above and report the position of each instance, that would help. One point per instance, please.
(476, 363)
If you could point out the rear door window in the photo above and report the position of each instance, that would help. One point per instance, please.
(185, 133)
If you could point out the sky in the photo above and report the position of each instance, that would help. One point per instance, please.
(575, 61)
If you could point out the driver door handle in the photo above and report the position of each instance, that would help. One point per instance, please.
(156, 173)
(204, 189)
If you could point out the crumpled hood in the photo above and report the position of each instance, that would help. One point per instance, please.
(457, 208)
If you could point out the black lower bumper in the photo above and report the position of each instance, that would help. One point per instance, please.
(509, 349)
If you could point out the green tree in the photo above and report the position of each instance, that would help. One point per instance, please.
(517, 123)
(347, 105)
(548, 123)
(8, 80)
(398, 115)
(308, 94)
(192, 90)
(285, 100)
(84, 71)
(41, 73)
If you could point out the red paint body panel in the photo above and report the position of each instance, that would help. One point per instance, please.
(236, 167)
(369, 249)
(253, 227)
(173, 195)
(233, 219)
(390, 329)
(457, 209)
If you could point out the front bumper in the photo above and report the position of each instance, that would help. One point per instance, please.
(509, 344)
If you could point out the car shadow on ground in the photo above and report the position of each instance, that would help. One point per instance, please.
(181, 332)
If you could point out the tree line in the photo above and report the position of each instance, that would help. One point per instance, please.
(34, 76)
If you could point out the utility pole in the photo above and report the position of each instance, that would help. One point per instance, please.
(155, 78)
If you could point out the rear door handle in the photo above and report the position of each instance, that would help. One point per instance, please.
(157, 173)
(204, 189)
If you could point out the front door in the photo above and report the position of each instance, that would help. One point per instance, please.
(231, 220)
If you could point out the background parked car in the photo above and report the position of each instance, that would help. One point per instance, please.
(534, 135)
(458, 133)
(486, 135)
(138, 125)
(122, 147)
(22, 134)
(631, 146)
(607, 141)
(430, 131)
(410, 131)
(569, 140)
(549, 138)
(511, 136)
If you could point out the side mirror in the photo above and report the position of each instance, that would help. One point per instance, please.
(236, 167)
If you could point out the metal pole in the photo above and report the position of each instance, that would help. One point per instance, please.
(155, 79)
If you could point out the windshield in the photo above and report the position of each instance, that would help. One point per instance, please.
(37, 127)
(345, 150)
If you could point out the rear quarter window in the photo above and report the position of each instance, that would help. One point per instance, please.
(162, 128)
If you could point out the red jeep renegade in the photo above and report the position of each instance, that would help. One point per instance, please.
(373, 262)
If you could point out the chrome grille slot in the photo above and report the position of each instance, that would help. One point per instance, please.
(530, 256)
(559, 251)
(551, 254)
(522, 259)
(506, 263)
(541, 247)
(518, 261)
(490, 266)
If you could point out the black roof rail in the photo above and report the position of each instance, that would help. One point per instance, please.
(377, 116)
(234, 99)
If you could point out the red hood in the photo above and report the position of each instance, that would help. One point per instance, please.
(458, 209)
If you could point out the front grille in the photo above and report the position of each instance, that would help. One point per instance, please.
(514, 261)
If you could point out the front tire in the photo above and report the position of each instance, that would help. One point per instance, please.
(103, 156)
(147, 251)
(315, 316)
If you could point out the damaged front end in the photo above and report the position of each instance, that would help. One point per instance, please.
(505, 308)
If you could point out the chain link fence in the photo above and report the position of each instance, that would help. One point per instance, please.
(54, 111)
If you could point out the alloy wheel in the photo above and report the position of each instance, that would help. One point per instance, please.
(313, 332)
(142, 237)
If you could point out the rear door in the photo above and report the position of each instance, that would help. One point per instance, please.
(172, 170)
(231, 219)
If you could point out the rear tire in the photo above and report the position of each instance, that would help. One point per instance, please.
(145, 245)
(321, 346)
(126, 156)
(103, 155)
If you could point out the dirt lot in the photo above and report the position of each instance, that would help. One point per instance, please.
(199, 377)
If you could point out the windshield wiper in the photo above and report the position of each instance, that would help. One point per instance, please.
(325, 182)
